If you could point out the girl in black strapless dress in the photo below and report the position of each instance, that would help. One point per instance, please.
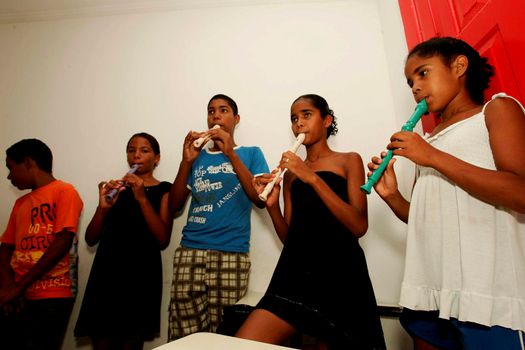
(321, 285)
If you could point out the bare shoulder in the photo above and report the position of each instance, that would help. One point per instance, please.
(349, 157)
(350, 162)
(503, 112)
(505, 122)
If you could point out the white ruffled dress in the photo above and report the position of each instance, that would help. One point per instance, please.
(465, 258)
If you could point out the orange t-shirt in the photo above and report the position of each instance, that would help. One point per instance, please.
(35, 220)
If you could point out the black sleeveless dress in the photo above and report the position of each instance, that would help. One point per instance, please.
(321, 284)
(124, 291)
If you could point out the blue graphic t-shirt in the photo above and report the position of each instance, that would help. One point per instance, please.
(219, 213)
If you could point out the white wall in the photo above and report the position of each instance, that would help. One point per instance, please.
(84, 85)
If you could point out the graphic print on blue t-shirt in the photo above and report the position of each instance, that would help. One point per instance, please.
(219, 213)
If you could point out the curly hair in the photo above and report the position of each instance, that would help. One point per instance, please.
(321, 104)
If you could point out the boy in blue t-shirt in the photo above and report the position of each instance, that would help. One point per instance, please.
(211, 266)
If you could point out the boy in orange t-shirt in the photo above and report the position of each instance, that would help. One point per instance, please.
(37, 283)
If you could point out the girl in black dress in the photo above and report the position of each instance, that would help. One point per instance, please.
(121, 305)
(325, 213)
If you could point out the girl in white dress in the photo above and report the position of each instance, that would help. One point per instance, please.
(464, 281)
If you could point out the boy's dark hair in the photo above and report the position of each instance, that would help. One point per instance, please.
(228, 99)
(34, 149)
(152, 141)
(479, 71)
(321, 104)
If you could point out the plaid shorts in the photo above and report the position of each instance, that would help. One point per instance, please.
(204, 282)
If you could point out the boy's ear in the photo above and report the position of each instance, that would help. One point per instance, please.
(460, 65)
(29, 163)
(237, 119)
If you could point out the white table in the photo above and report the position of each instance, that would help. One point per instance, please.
(213, 341)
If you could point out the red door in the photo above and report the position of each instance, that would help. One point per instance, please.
(493, 27)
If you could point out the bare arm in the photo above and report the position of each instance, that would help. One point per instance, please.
(505, 186)
(280, 222)
(225, 144)
(386, 187)
(95, 226)
(160, 224)
(179, 192)
(245, 178)
(399, 205)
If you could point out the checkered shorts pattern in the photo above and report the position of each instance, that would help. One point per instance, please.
(204, 282)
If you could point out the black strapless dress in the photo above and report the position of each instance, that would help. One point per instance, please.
(321, 284)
